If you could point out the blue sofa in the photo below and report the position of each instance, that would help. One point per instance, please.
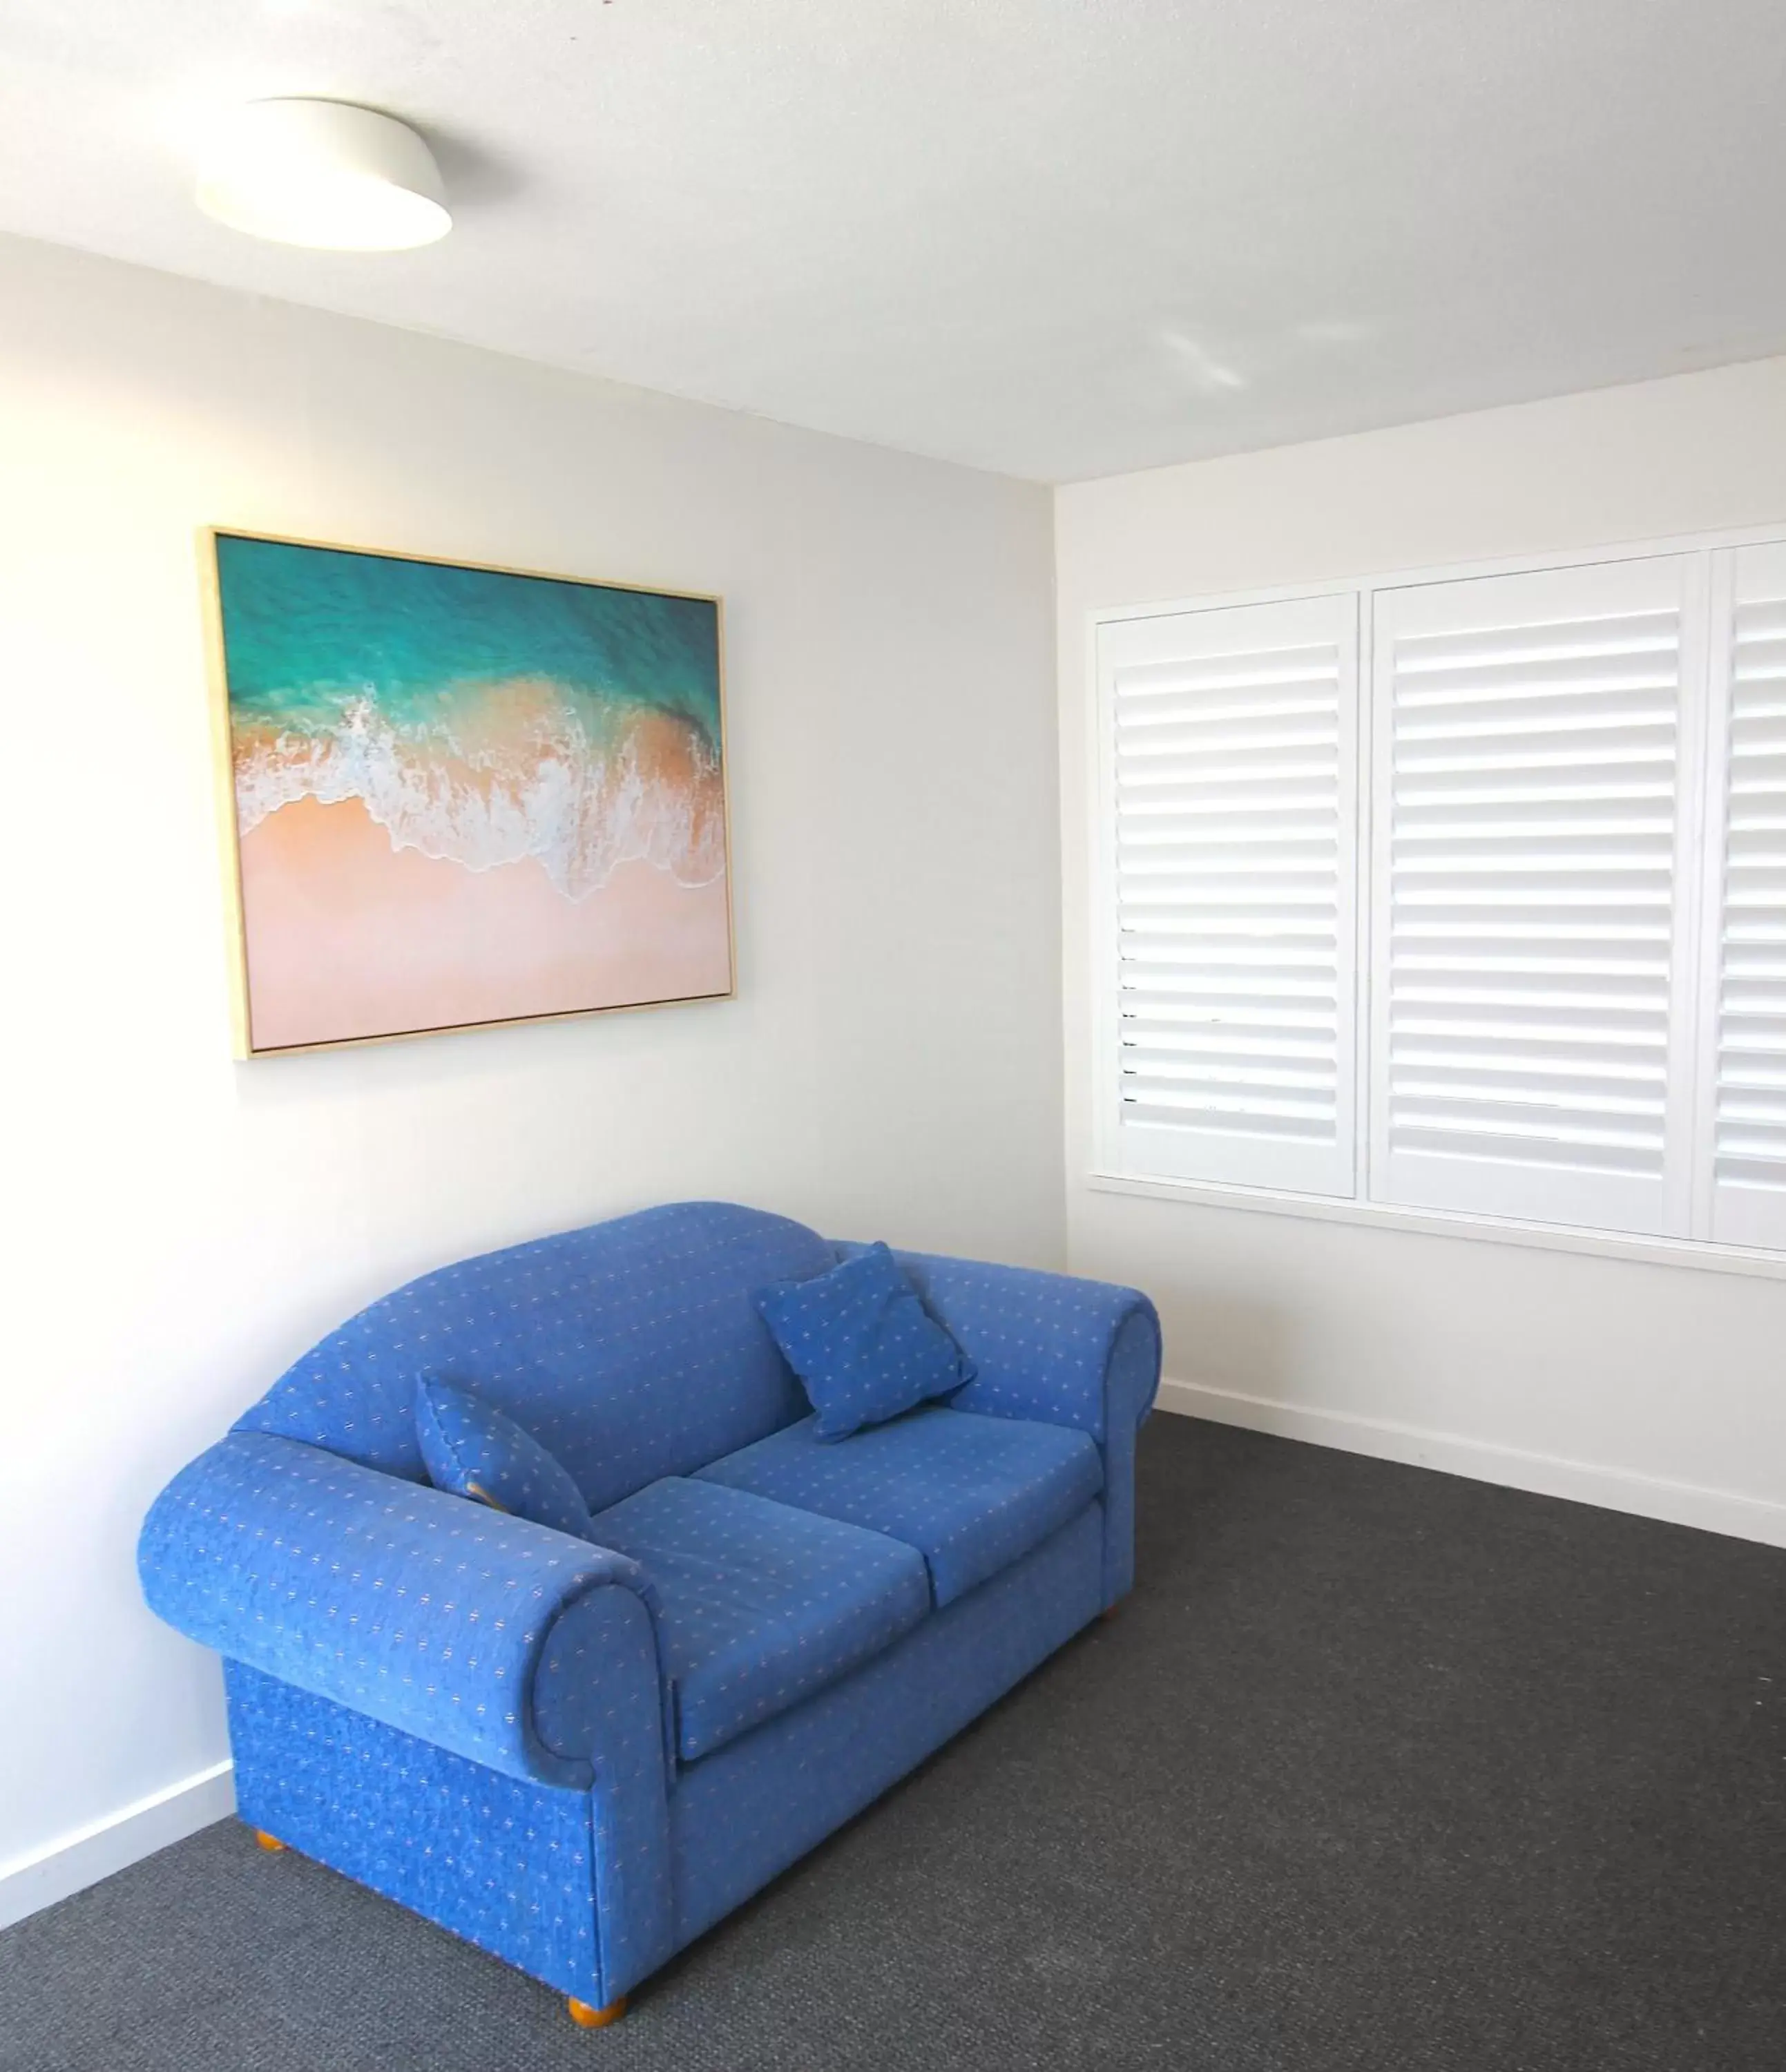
(579, 1757)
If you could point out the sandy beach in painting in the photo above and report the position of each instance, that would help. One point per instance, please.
(353, 937)
(464, 796)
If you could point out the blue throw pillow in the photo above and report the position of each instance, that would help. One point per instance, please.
(471, 1449)
(863, 1344)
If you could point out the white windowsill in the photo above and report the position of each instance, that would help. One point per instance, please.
(1438, 1223)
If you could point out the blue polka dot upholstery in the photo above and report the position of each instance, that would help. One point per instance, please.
(473, 1449)
(580, 1755)
(507, 1863)
(629, 1350)
(415, 1607)
(971, 1494)
(740, 1818)
(758, 1605)
(600, 1697)
(1040, 1342)
(1060, 1351)
(861, 1342)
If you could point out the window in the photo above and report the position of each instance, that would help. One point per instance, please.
(1743, 1098)
(1234, 865)
(1463, 894)
(1530, 1013)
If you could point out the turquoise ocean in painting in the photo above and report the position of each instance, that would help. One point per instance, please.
(477, 715)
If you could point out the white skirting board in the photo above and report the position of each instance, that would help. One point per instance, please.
(74, 1861)
(1614, 1489)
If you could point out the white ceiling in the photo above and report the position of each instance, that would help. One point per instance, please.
(1060, 238)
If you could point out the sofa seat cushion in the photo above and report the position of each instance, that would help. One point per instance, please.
(758, 1604)
(971, 1494)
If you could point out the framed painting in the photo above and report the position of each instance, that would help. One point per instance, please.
(458, 795)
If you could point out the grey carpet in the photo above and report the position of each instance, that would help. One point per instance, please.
(1377, 1769)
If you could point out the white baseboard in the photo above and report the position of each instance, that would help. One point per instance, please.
(1614, 1489)
(72, 1862)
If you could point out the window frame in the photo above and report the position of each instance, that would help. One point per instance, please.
(1360, 1208)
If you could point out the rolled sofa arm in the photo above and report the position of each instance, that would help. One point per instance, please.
(1048, 1347)
(1060, 1351)
(419, 1609)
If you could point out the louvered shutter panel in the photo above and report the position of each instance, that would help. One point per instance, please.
(1743, 1116)
(1533, 886)
(1230, 853)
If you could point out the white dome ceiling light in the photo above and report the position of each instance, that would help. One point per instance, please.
(323, 174)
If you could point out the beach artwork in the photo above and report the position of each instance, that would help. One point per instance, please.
(463, 796)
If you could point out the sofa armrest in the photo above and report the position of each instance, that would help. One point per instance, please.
(1047, 1346)
(1060, 1351)
(416, 1608)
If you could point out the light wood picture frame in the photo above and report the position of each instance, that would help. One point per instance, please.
(456, 795)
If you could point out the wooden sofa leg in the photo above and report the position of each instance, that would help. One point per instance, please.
(269, 1841)
(588, 2017)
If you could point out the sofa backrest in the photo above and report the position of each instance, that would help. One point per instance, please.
(631, 1349)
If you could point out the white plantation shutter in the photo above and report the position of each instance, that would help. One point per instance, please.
(1229, 753)
(1743, 1109)
(1534, 877)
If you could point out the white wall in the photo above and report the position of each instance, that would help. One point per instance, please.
(1657, 1388)
(182, 1226)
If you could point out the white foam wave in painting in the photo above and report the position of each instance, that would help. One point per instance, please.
(581, 808)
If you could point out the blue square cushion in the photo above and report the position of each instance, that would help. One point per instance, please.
(758, 1605)
(971, 1494)
(472, 1449)
(862, 1342)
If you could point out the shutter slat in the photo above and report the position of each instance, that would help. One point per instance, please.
(1607, 711)
(1608, 753)
(1560, 823)
(1237, 1120)
(1554, 919)
(1199, 774)
(1510, 1094)
(1143, 815)
(1763, 1176)
(1521, 950)
(1246, 954)
(1318, 716)
(1549, 1154)
(1636, 633)
(1511, 690)
(1283, 1091)
(1265, 1033)
(1554, 1057)
(1566, 842)
(1264, 737)
(1314, 720)
(1265, 671)
(1460, 791)
(1304, 867)
(1563, 1119)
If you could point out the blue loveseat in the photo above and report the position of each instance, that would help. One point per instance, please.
(579, 1757)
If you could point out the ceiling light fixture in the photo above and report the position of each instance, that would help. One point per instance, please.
(323, 174)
